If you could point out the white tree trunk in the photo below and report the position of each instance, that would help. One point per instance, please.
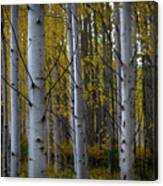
(127, 123)
(71, 78)
(37, 119)
(80, 131)
(15, 125)
(4, 101)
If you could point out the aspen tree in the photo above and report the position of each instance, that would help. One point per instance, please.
(118, 65)
(80, 132)
(37, 119)
(4, 100)
(15, 125)
(71, 78)
(127, 123)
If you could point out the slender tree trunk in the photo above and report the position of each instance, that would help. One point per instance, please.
(57, 142)
(132, 73)
(127, 123)
(80, 132)
(4, 101)
(15, 125)
(91, 135)
(151, 91)
(106, 75)
(71, 78)
(155, 92)
(57, 128)
(49, 132)
(90, 35)
(95, 32)
(9, 153)
(118, 68)
(37, 119)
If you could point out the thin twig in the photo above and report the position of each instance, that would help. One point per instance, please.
(18, 91)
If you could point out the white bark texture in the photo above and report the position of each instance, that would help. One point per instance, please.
(127, 122)
(37, 119)
(4, 102)
(15, 125)
(80, 131)
(71, 78)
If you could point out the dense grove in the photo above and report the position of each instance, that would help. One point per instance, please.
(79, 90)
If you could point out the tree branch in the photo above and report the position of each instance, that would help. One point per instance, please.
(19, 92)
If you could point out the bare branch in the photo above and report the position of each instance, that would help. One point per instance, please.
(18, 91)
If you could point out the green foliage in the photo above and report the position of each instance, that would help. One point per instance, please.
(95, 97)
(142, 153)
(24, 147)
(103, 174)
(64, 173)
(24, 169)
(98, 152)
(24, 157)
